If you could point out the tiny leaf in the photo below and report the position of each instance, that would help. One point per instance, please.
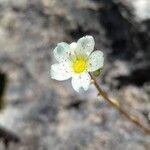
(97, 72)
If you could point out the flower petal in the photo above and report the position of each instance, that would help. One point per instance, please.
(61, 71)
(85, 45)
(96, 61)
(81, 81)
(73, 45)
(61, 51)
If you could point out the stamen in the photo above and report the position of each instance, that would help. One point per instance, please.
(79, 64)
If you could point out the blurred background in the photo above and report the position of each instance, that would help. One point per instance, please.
(37, 113)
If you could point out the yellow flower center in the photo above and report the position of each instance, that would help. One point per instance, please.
(79, 65)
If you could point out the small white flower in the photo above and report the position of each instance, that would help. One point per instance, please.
(76, 60)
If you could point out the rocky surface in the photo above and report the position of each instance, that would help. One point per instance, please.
(49, 115)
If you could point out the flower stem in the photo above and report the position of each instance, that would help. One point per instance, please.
(117, 105)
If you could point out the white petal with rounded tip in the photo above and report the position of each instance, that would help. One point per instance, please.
(85, 45)
(81, 81)
(61, 52)
(61, 71)
(73, 45)
(96, 61)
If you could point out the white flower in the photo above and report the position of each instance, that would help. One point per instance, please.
(76, 60)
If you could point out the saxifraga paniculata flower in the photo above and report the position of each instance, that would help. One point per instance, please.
(75, 61)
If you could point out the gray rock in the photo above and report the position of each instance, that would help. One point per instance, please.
(49, 115)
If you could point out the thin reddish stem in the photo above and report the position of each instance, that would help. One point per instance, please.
(116, 105)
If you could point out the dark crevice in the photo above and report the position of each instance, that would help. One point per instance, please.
(75, 104)
(3, 80)
(137, 77)
(7, 137)
(78, 32)
(146, 114)
(125, 34)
